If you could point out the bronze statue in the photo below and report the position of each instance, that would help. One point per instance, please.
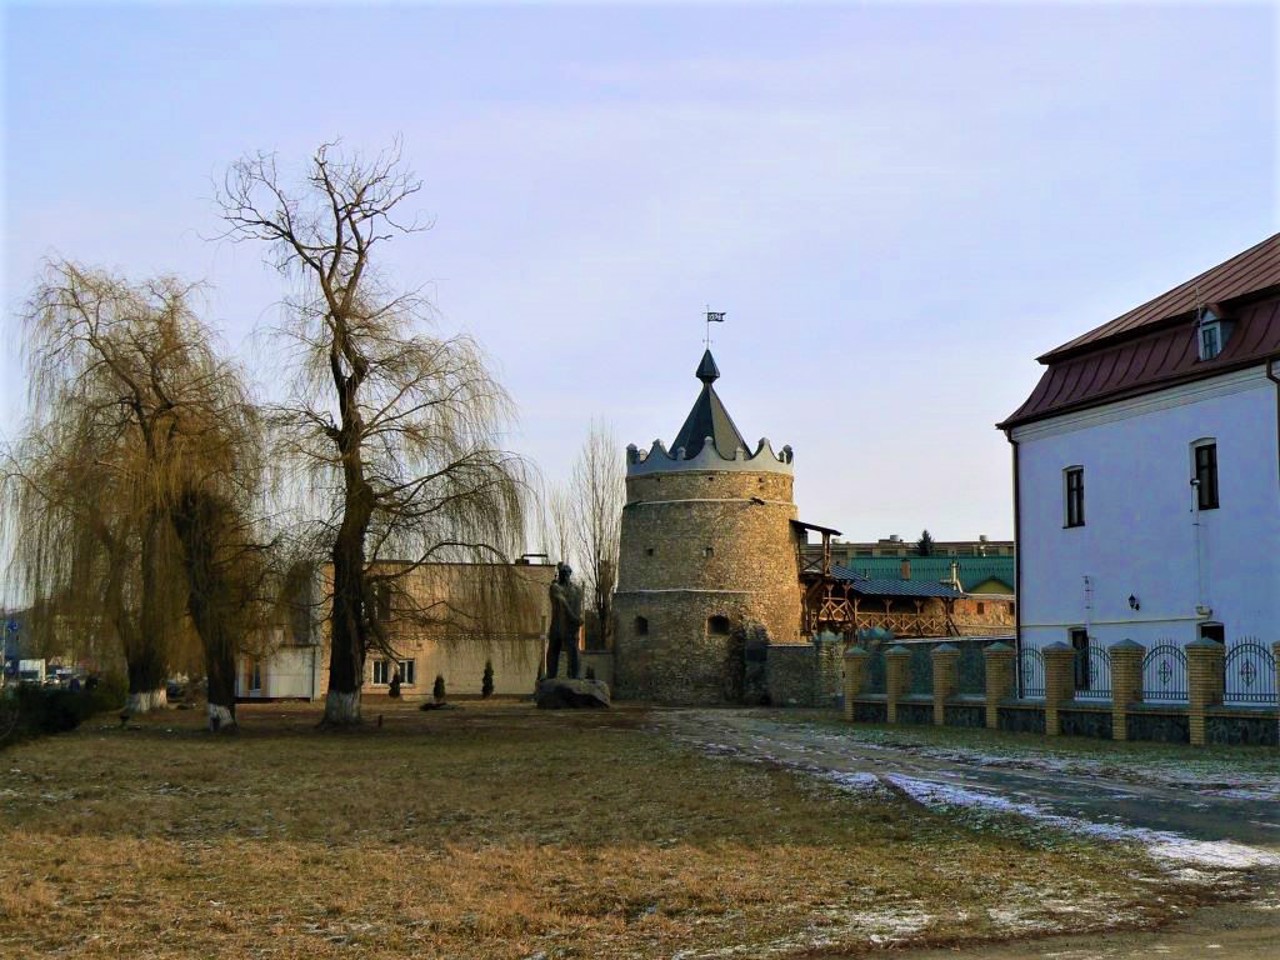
(566, 618)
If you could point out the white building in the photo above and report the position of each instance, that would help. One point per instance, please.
(1147, 471)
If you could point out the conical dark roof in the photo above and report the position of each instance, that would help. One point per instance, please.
(708, 418)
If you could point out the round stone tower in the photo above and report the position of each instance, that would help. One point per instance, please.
(708, 546)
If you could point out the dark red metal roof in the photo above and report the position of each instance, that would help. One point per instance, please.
(1251, 272)
(1163, 357)
(1154, 346)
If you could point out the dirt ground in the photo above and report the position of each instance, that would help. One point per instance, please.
(1221, 822)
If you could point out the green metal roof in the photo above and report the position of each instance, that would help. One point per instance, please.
(973, 570)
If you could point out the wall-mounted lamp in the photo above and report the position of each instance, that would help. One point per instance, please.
(1133, 603)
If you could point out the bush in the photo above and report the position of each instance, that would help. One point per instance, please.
(437, 689)
(486, 685)
(44, 710)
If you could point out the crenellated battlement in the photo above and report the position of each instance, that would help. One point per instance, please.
(657, 459)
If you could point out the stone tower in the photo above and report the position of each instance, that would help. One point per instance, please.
(708, 545)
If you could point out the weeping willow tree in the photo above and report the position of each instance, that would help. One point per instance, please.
(392, 428)
(128, 491)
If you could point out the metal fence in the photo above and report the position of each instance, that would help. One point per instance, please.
(1093, 673)
(1164, 673)
(920, 675)
(1031, 674)
(1250, 670)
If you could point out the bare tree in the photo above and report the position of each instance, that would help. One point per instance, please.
(138, 435)
(597, 494)
(393, 427)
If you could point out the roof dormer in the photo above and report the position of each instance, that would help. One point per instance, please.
(1212, 331)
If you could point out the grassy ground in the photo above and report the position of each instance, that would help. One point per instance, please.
(496, 831)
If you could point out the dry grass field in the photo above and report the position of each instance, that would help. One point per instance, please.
(498, 831)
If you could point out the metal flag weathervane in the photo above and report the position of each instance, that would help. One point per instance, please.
(712, 318)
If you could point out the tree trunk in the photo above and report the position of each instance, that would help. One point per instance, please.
(145, 658)
(201, 521)
(144, 701)
(346, 652)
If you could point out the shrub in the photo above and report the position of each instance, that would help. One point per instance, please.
(486, 685)
(437, 689)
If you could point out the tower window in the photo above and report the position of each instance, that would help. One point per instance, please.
(642, 626)
(718, 626)
(708, 551)
(648, 551)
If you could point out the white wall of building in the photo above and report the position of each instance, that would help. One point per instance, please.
(1140, 536)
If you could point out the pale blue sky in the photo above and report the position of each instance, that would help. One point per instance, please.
(897, 206)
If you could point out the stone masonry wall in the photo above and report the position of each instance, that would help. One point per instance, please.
(697, 545)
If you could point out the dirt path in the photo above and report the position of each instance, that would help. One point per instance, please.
(1193, 827)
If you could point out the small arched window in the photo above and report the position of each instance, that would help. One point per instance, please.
(718, 626)
(642, 626)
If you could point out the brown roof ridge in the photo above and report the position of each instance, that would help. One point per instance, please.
(1247, 273)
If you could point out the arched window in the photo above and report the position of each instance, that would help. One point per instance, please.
(642, 626)
(718, 626)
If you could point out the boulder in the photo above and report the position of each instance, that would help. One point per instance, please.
(564, 694)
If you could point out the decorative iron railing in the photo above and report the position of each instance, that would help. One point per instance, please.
(1164, 673)
(1031, 673)
(1093, 673)
(1250, 670)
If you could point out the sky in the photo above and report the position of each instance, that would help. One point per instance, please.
(898, 207)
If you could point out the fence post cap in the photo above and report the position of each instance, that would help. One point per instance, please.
(1204, 643)
(946, 648)
(998, 647)
(1127, 644)
(856, 652)
(899, 649)
(1055, 647)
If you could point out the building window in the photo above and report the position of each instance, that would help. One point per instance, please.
(718, 626)
(1213, 631)
(642, 626)
(982, 608)
(382, 601)
(1074, 481)
(1206, 479)
(407, 672)
(1212, 334)
(255, 676)
(1080, 644)
(382, 671)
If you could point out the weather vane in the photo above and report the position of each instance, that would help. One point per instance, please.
(712, 317)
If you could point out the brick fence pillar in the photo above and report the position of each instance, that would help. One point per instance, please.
(1205, 663)
(1059, 684)
(946, 679)
(1000, 679)
(1126, 684)
(855, 673)
(897, 676)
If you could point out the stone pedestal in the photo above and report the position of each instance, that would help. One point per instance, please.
(560, 694)
(1001, 678)
(946, 680)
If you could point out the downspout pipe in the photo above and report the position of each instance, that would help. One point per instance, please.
(1271, 375)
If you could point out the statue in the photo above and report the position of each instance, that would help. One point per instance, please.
(566, 618)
